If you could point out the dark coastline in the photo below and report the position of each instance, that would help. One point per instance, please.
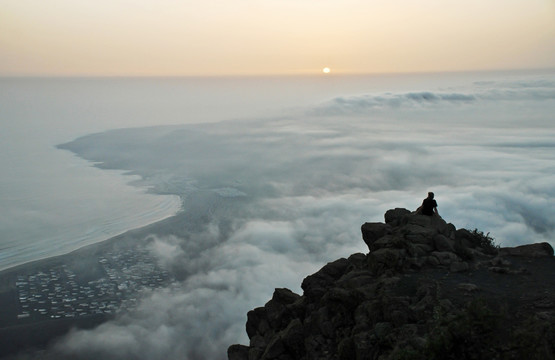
(124, 239)
(29, 336)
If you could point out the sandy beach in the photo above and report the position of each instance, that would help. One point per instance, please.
(19, 333)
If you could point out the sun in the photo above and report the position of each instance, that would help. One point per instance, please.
(326, 70)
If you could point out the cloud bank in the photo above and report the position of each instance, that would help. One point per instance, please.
(267, 202)
(483, 92)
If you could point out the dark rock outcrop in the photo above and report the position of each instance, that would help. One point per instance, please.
(424, 291)
(530, 250)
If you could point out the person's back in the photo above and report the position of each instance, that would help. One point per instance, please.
(429, 205)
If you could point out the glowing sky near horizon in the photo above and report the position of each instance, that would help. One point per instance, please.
(244, 37)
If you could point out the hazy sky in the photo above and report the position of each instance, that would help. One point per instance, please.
(215, 37)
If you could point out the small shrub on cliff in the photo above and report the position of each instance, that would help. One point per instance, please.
(535, 339)
(470, 335)
(485, 241)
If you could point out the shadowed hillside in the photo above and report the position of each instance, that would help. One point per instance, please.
(426, 290)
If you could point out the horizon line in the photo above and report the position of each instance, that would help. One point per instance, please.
(262, 75)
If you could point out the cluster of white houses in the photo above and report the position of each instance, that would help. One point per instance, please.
(58, 292)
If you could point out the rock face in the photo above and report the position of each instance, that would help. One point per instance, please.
(425, 290)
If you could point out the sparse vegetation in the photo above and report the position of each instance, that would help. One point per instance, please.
(535, 339)
(470, 334)
(480, 332)
(485, 241)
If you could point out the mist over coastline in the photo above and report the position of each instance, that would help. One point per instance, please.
(166, 165)
(54, 203)
(270, 200)
(274, 191)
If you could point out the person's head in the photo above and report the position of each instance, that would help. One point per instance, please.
(431, 195)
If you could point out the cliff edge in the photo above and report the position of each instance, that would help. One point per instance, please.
(425, 290)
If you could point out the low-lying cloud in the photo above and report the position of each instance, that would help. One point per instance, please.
(484, 92)
(358, 104)
(267, 202)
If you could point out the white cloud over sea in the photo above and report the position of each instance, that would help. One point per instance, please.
(270, 201)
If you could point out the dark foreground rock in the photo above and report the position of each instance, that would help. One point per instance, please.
(424, 291)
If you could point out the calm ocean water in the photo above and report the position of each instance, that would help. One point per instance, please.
(53, 202)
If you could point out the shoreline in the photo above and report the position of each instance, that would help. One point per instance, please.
(95, 247)
(35, 333)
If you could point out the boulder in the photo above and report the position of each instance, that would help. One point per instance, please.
(433, 261)
(419, 220)
(443, 243)
(257, 323)
(238, 352)
(417, 234)
(459, 266)
(277, 313)
(384, 242)
(445, 257)
(275, 348)
(315, 284)
(371, 232)
(531, 250)
(357, 260)
(386, 259)
(285, 296)
(395, 216)
(422, 249)
(355, 279)
(441, 226)
(466, 238)
(293, 338)
(450, 231)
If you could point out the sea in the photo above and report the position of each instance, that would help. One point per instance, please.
(498, 125)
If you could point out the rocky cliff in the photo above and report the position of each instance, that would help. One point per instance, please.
(425, 290)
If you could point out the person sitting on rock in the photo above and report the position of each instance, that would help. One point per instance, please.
(429, 206)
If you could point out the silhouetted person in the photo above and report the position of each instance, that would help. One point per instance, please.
(429, 206)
